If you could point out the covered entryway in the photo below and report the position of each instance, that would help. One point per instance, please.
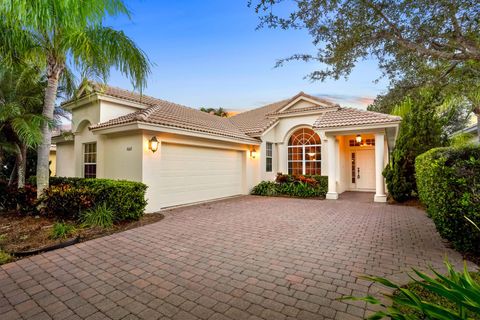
(190, 174)
(358, 146)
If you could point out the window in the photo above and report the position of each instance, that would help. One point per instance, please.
(304, 152)
(366, 142)
(269, 157)
(353, 167)
(90, 160)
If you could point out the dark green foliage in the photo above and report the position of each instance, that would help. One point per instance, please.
(448, 182)
(295, 186)
(100, 216)
(265, 188)
(12, 198)
(125, 198)
(65, 201)
(455, 296)
(420, 131)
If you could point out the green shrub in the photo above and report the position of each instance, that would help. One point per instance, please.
(62, 230)
(100, 216)
(125, 198)
(4, 257)
(456, 296)
(65, 201)
(265, 188)
(295, 186)
(448, 182)
(24, 199)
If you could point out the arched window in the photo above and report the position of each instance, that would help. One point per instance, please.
(304, 152)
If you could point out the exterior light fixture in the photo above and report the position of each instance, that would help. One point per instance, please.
(153, 144)
(253, 153)
(358, 138)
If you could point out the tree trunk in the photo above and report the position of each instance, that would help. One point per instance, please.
(43, 172)
(13, 174)
(476, 111)
(22, 165)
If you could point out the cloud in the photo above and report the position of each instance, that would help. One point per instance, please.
(348, 100)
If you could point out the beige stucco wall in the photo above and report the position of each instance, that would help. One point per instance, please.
(65, 160)
(279, 135)
(123, 156)
(52, 158)
(110, 110)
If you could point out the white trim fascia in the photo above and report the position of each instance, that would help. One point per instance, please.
(303, 113)
(61, 138)
(102, 97)
(164, 129)
(291, 103)
(348, 129)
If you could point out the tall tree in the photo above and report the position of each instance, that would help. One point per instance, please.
(413, 41)
(21, 97)
(215, 111)
(64, 35)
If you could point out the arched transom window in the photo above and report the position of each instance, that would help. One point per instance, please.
(304, 152)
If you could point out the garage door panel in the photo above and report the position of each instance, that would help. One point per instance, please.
(190, 174)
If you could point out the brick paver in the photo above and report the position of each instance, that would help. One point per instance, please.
(243, 258)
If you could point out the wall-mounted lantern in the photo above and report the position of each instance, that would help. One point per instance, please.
(253, 153)
(153, 144)
(358, 138)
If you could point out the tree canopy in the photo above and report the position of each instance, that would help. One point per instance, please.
(65, 35)
(347, 31)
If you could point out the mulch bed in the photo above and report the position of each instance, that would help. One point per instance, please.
(25, 233)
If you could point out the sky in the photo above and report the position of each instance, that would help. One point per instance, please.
(208, 53)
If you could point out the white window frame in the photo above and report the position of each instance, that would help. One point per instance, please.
(268, 156)
(89, 153)
(304, 161)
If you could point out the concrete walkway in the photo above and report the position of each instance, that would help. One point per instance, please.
(242, 258)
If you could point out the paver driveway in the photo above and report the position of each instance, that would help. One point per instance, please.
(242, 258)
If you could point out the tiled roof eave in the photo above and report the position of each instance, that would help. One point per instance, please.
(101, 127)
(389, 123)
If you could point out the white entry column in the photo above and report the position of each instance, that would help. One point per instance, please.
(332, 168)
(379, 165)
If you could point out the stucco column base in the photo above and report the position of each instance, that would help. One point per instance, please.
(380, 198)
(331, 196)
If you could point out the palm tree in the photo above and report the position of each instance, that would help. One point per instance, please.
(21, 98)
(63, 36)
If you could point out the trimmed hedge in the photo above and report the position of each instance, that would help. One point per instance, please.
(68, 197)
(295, 186)
(448, 182)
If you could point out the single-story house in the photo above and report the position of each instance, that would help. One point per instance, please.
(472, 130)
(187, 156)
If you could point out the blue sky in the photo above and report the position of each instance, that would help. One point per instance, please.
(209, 53)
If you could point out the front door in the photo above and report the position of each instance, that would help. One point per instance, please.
(364, 166)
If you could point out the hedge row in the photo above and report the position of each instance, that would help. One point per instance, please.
(294, 186)
(448, 181)
(67, 198)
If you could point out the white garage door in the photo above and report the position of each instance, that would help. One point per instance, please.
(190, 174)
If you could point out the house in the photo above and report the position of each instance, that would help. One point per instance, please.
(187, 156)
(470, 131)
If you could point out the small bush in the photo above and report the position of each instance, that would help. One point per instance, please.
(448, 182)
(295, 186)
(24, 199)
(100, 216)
(125, 198)
(62, 230)
(4, 257)
(66, 202)
(265, 188)
(456, 296)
